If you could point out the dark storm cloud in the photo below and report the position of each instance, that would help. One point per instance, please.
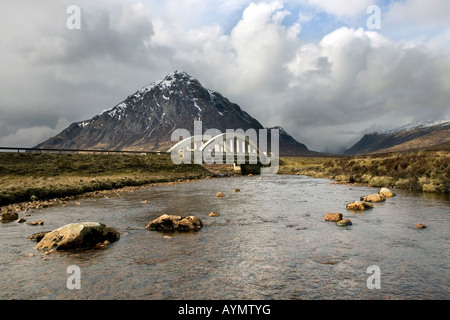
(55, 75)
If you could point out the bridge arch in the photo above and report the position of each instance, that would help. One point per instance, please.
(231, 148)
(187, 143)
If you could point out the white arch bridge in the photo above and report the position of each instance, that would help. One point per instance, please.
(235, 148)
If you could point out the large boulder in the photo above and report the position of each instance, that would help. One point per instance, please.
(74, 236)
(175, 223)
(373, 198)
(387, 193)
(359, 205)
(38, 236)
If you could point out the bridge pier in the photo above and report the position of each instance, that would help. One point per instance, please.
(247, 168)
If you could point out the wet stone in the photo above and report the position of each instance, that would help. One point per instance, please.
(175, 223)
(344, 223)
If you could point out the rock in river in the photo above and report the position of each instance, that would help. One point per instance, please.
(334, 217)
(175, 223)
(387, 193)
(373, 198)
(9, 216)
(38, 236)
(36, 223)
(359, 205)
(344, 223)
(74, 236)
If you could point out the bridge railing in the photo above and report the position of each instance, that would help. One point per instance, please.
(76, 151)
(230, 157)
(221, 157)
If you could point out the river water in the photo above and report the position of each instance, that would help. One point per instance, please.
(269, 242)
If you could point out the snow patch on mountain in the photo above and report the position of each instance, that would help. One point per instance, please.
(167, 82)
(413, 126)
(84, 124)
(196, 105)
(118, 111)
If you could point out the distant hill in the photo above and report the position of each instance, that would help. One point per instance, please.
(433, 135)
(145, 120)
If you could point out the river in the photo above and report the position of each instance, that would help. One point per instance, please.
(270, 241)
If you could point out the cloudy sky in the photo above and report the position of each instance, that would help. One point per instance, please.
(315, 67)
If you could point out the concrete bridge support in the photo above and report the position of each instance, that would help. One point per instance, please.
(247, 168)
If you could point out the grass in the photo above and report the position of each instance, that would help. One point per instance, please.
(27, 176)
(427, 171)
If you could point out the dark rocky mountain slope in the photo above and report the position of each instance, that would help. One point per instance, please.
(419, 135)
(145, 120)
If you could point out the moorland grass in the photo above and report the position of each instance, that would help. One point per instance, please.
(426, 170)
(26, 176)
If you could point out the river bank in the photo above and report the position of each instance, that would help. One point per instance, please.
(426, 171)
(39, 180)
(33, 181)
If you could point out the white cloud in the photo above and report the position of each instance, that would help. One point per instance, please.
(364, 79)
(193, 14)
(341, 8)
(262, 45)
(417, 13)
(32, 136)
(305, 17)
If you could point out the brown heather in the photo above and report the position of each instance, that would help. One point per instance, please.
(427, 171)
(28, 176)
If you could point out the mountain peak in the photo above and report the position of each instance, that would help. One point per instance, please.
(146, 119)
(181, 73)
(178, 77)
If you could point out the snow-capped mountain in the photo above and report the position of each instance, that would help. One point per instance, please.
(416, 135)
(145, 120)
(414, 126)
